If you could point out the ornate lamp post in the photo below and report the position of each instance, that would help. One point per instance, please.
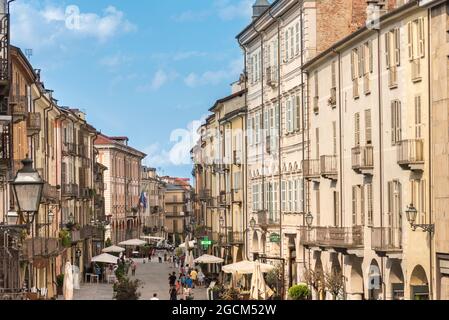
(411, 214)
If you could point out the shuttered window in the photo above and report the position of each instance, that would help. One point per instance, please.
(334, 137)
(396, 129)
(354, 205)
(369, 195)
(336, 208)
(297, 31)
(362, 205)
(318, 206)
(354, 63)
(357, 129)
(286, 46)
(368, 127)
(298, 113)
(387, 50)
(292, 43)
(421, 37)
(283, 195)
(334, 74)
(397, 46)
(410, 42)
(418, 120)
(317, 137)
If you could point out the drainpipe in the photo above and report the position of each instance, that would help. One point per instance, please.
(429, 18)
(245, 161)
(381, 175)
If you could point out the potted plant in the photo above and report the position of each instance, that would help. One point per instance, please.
(64, 236)
(60, 284)
(299, 292)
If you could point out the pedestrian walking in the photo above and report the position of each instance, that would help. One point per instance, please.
(133, 268)
(160, 257)
(201, 278)
(194, 276)
(173, 293)
(189, 282)
(172, 279)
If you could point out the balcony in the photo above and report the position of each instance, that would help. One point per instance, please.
(339, 238)
(33, 123)
(355, 88)
(416, 70)
(236, 197)
(393, 77)
(40, 247)
(363, 160)
(205, 194)
(329, 167)
(69, 149)
(18, 108)
(50, 194)
(311, 169)
(385, 240)
(85, 193)
(265, 220)
(70, 190)
(223, 199)
(91, 232)
(235, 237)
(411, 154)
(271, 74)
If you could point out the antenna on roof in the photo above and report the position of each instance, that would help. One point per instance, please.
(28, 53)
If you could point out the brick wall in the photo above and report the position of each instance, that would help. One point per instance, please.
(338, 18)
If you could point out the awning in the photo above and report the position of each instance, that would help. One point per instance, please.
(105, 258)
(133, 242)
(246, 267)
(208, 259)
(113, 249)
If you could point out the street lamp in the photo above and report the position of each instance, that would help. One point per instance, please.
(252, 223)
(411, 214)
(27, 187)
(309, 220)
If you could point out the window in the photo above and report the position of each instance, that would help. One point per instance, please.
(358, 204)
(336, 208)
(283, 195)
(357, 129)
(369, 195)
(334, 74)
(416, 39)
(292, 43)
(289, 115)
(318, 206)
(394, 215)
(257, 129)
(355, 63)
(317, 143)
(297, 113)
(297, 31)
(354, 205)
(396, 131)
(286, 46)
(290, 196)
(368, 130)
(418, 120)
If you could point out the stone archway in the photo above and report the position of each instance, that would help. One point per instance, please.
(419, 285)
(395, 286)
(374, 283)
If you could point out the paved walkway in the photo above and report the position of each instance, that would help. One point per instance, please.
(154, 276)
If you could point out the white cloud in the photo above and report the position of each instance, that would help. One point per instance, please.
(215, 77)
(182, 140)
(37, 26)
(160, 78)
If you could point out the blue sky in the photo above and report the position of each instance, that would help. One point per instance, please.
(149, 70)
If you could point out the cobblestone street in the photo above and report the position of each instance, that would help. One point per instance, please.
(155, 280)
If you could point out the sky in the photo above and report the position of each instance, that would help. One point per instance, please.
(149, 70)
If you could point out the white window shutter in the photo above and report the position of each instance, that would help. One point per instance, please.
(410, 41)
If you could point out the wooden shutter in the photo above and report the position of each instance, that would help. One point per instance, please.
(317, 135)
(362, 60)
(353, 64)
(297, 37)
(362, 205)
(334, 137)
(397, 47)
(421, 37)
(286, 45)
(294, 114)
(354, 205)
(398, 121)
(357, 129)
(63, 173)
(369, 191)
(368, 127)
(410, 41)
(298, 113)
(283, 187)
(387, 50)
(390, 191)
(371, 56)
(418, 120)
(334, 75)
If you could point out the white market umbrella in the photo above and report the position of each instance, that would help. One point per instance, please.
(190, 245)
(105, 258)
(152, 238)
(190, 260)
(133, 242)
(246, 267)
(208, 259)
(68, 282)
(259, 288)
(113, 249)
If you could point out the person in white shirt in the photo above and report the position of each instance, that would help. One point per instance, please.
(154, 297)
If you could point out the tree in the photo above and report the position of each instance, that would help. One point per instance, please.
(126, 289)
(299, 292)
(334, 281)
(316, 280)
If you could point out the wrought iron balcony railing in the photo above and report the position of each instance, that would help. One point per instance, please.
(34, 123)
(311, 168)
(411, 152)
(329, 166)
(363, 159)
(385, 239)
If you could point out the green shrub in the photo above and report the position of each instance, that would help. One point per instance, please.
(108, 242)
(299, 292)
(127, 289)
(66, 240)
(120, 272)
(60, 280)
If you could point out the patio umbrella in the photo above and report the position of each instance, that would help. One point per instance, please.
(68, 282)
(191, 244)
(208, 259)
(133, 243)
(105, 258)
(113, 249)
(259, 289)
(246, 267)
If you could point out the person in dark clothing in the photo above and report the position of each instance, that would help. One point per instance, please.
(173, 293)
(172, 279)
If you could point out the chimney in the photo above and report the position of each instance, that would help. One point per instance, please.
(374, 10)
(259, 7)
